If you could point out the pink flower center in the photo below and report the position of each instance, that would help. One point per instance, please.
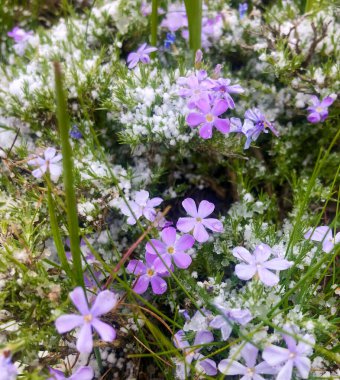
(209, 118)
(171, 250)
(88, 318)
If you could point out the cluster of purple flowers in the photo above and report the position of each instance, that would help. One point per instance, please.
(324, 235)
(21, 39)
(171, 251)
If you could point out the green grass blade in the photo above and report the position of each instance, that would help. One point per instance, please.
(154, 22)
(194, 13)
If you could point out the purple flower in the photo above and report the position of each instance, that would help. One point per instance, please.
(318, 112)
(75, 132)
(175, 18)
(293, 356)
(8, 370)
(141, 55)
(171, 249)
(169, 40)
(21, 39)
(254, 124)
(191, 353)
(148, 274)
(146, 9)
(325, 235)
(198, 221)
(142, 205)
(197, 86)
(242, 9)
(207, 117)
(82, 373)
(258, 265)
(250, 370)
(50, 163)
(104, 302)
(225, 321)
(223, 90)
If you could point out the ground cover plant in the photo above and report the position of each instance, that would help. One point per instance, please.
(169, 190)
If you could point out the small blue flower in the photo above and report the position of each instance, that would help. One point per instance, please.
(169, 40)
(75, 133)
(242, 8)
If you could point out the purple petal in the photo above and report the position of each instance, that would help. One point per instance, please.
(36, 161)
(241, 316)
(319, 233)
(275, 355)
(200, 233)
(159, 285)
(226, 330)
(205, 208)
(249, 353)
(142, 47)
(314, 117)
(203, 105)
(277, 264)
(136, 267)
(262, 253)
(186, 224)
(162, 264)
(155, 247)
(208, 366)
(37, 173)
(132, 57)
(56, 159)
(235, 89)
(169, 236)
(206, 131)
(141, 197)
(49, 153)
(286, 371)
(79, 300)
(154, 202)
(133, 63)
(218, 322)
(104, 303)
(303, 366)
(83, 373)
(243, 255)
(327, 102)
(184, 242)
(194, 119)
(203, 337)
(265, 368)
(150, 50)
(219, 107)
(85, 341)
(145, 59)
(192, 82)
(182, 260)
(267, 277)
(68, 322)
(55, 170)
(179, 340)
(106, 332)
(306, 348)
(244, 271)
(231, 367)
(223, 125)
(190, 207)
(213, 224)
(141, 284)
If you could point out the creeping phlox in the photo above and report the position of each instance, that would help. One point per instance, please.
(172, 250)
(318, 111)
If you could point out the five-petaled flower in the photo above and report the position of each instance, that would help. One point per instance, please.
(318, 111)
(250, 370)
(293, 356)
(207, 117)
(223, 89)
(8, 370)
(141, 55)
(104, 302)
(258, 264)
(50, 162)
(171, 249)
(198, 221)
(82, 373)
(323, 234)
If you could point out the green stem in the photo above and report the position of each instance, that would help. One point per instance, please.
(154, 22)
(309, 5)
(194, 13)
(71, 203)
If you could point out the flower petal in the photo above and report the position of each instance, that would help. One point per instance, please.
(186, 224)
(169, 236)
(314, 117)
(219, 107)
(85, 340)
(79, 300)
(159, 285)
(203, 337)
(303, 365)
(104, 303)
(223, 125)
(205, 208)
(319, 233)
(154, 202)
(262, 253)
(244, 271)
(106, 332)
(155, 247)
(182, 260)
(194, 119)
(213, 224)
(49, 153)
(200, 233)
(286, 371)
(206, 131)
(184, 242)
(203, 105)
(249, 353)
(190, 207)
(268, 277)
(55, 170)
(83, 373)
(265, 368)
(68, 322)
(136, 267)
(327, 102)
(141, 284)
(243, 255)
(277, 264)
(231, 367)
(38, 173)
(275, 355)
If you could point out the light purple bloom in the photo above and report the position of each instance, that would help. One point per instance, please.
(242, 9)
(318, 112)
(21, 39)
(171, 249)
(50, 162)
(258, 265)
(142, 205)
(104, 303)
(146, 9)
(207, 117)
(198, 57)
(141, 55)
(82, 373)
(250, 370)
(176, 18)
(198, 221)
(8, 370)
(255, 123)
(293, 356)
(325, 235)
(223, 89)
(225, 321)
(148, 274)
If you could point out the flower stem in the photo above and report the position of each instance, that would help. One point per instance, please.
(154, 22)
(194, 13)
(71, 203)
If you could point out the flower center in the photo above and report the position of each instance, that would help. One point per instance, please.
(292, 355)
(171, 250)
(209, 118)
(150, 272)
(223, 89)
(88, 318)
(319, 109)
(199, 220)
(250, 371)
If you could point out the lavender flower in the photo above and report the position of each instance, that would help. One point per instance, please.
(21, 39)
(225, 321)
(8, 370)
(293, 356)
(142, 205)
(75, 132)
(82, 373)
(258, 265)
(146, 9)
(175, 18)
(50, 162)
(254, 124)
(223, 90)
(141, 55)
(242, 9)
(325, 235)
(318, 112)
(148, 274)
(171, 249)
(104, 302)
(198, 221)
(250, 370)
(197, 87)
(169, 40)
(207, 117)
